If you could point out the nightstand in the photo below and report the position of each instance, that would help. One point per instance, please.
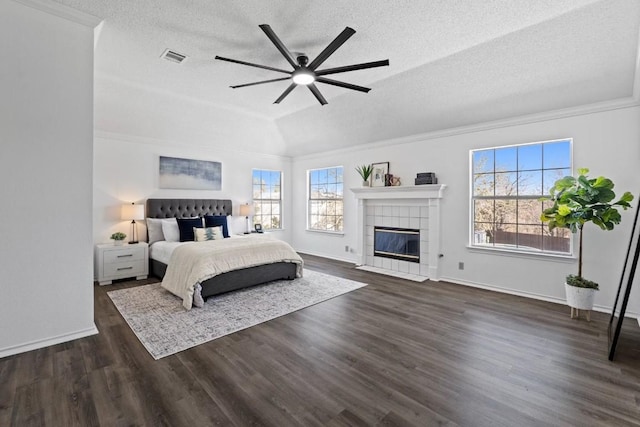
(121, 262)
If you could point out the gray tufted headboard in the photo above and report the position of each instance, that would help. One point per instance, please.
(185, 208)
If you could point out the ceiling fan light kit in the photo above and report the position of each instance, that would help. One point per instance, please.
(302, 76)
(305, 73)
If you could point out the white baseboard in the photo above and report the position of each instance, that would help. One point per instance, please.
(350, 261)
(540, 297)
(599, 308)
(34, 345)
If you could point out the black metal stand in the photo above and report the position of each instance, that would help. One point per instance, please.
(614, 335)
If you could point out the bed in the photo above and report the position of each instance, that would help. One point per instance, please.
(224, 282)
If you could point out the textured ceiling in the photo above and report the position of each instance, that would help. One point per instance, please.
(453, 62)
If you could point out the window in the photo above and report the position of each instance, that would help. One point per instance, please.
(325, 199)
(506, 186)
(267, 199)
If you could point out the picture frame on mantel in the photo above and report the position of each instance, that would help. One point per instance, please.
(379, 170)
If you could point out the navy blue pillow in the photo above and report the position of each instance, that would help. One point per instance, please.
(217, 221)
(186, 226)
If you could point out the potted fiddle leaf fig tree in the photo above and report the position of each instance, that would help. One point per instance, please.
(577, 201)
(365, 172)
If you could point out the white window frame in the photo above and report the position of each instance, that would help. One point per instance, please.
(272, 201)
(310, 201)
(474, 243)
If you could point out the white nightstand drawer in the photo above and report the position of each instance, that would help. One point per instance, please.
(123, 254)
(121, 262)
(125, 269)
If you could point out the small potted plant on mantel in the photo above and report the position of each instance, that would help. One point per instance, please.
(577, 201)
(365, 172)
(118, 238)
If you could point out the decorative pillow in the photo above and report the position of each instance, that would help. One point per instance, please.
(170, 230)
(186, 226)
(198, 301)
(154, 230)
(208, 233)
(215, 221)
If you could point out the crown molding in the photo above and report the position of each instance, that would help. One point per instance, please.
(62, 11)
(598, 107)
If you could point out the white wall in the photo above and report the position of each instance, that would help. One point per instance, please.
(605, 142)
(126, 170)
(46, 126)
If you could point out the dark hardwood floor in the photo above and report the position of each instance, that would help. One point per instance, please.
(392, 353)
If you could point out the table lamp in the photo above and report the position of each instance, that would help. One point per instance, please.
(133, 212)
(245, 210)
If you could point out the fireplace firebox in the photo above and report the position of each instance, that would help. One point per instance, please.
(397, 243)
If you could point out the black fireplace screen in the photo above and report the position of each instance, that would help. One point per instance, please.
(397, 243)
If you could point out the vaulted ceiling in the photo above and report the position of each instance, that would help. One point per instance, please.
(452, 63)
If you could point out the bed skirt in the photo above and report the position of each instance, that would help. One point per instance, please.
(236, 279)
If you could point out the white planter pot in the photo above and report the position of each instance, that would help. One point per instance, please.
(580, 298)
(118, 242)
(365, 183)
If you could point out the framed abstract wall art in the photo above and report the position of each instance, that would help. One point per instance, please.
(190, 174)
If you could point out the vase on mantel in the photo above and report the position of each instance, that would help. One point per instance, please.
(365, 183)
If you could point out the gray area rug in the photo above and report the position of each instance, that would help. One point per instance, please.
(164, 327)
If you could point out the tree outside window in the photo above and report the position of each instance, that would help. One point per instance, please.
(267, 199)
(325, 210)
(507, 183)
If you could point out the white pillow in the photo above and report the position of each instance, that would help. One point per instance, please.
(170, 230)
(154, 229)
(209, 233)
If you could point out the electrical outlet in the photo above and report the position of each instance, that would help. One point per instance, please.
(461, 266)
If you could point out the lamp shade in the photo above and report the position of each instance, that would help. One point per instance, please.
(132, 211)
(245, 210)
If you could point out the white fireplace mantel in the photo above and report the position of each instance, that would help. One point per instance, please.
(424, 195)
(428, 191)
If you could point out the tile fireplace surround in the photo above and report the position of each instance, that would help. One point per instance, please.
(405, 207)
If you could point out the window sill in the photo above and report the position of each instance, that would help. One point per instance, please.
(569, 258)
(331, 233)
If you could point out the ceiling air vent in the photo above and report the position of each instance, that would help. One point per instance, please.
(172, 56)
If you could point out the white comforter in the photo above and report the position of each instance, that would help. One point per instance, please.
(195, 262)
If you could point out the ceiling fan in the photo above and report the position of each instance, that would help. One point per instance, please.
(306, 73)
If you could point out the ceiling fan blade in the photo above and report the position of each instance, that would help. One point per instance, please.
(281, 47)
(235, 61)
(314, 90)
(352, 67)
(342, 84)
(333, 46)
(285, 93)
(259, 83)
